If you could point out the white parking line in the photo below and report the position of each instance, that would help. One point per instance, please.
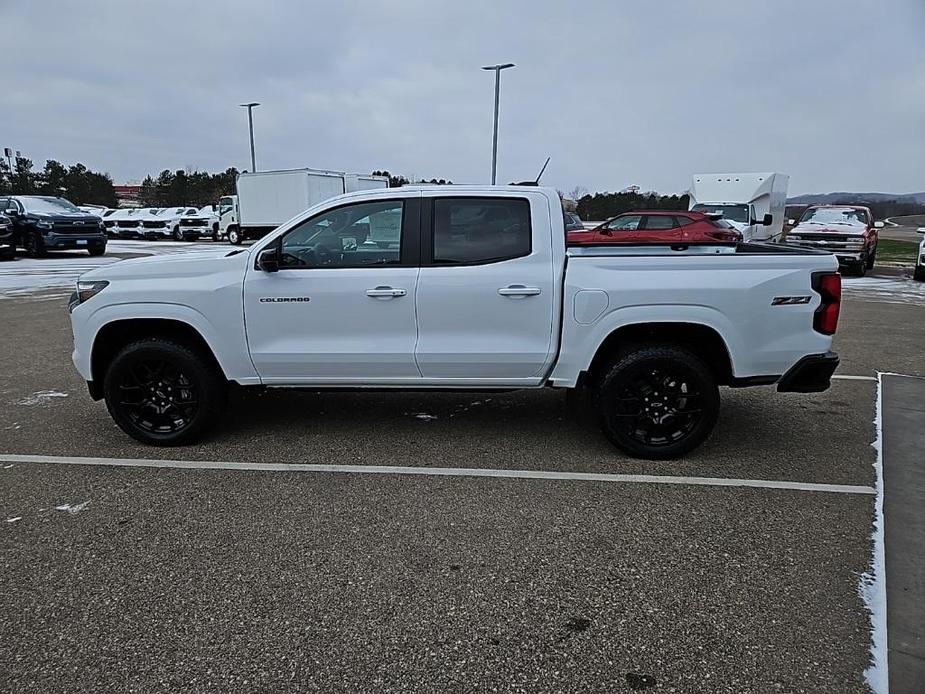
(442, 472)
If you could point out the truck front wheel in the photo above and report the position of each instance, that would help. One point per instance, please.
(164, 393)
(234, 236)
(657, 401)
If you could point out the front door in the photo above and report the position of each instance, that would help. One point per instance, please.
(487, 290)
(340, 310)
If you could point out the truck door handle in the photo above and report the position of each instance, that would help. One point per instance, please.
(384, 292)
(519, 290)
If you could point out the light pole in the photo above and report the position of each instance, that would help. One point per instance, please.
(250, 125)
(494, 137)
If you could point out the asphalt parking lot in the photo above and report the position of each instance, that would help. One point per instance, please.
(256, 580)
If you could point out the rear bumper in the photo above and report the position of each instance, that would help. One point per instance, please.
(812, 374)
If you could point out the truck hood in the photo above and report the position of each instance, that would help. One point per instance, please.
(84, 217)
(187, 264)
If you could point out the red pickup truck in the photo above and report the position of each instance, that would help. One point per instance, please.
(848, 231)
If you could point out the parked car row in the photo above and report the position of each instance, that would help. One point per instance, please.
(178, 223)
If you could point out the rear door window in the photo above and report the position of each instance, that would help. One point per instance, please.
(656, 222)
(473, 231)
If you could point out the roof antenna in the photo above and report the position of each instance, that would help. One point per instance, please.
(536, 181)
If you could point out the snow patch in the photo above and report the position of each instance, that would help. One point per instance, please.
(41, 397)
(885, 289)
(73, 508)
(14, 519)
(872, 587)
(422, 415)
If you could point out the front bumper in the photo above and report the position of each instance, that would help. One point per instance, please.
(53, 240)
(155, 233)
(812, 374)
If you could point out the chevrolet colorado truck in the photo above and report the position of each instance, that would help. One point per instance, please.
(480, 292)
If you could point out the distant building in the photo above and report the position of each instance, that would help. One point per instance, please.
(127, 195)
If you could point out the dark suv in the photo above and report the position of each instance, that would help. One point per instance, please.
(43, 223)
(7, 243)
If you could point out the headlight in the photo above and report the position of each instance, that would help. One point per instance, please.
(43, 224)
(86, 290)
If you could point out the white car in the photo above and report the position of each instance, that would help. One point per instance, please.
(203, 223)
(164, 223)
(480, 293)
(124, 224)
(919, 273)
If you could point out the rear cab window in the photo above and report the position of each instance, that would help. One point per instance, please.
(475, 231)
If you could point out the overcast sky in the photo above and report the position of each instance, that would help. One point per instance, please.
(617, 93)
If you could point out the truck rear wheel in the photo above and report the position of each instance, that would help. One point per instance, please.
(657, 401)
(164, 393)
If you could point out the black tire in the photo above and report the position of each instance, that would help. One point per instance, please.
(35, 245)
(96, 250)
(860, 267)
(215, 235)
(871, 259)
(235, 237)
(677, 396)
(177, 234)
(181, 393)
(919, 273)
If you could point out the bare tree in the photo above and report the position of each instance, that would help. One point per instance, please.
(577, 193)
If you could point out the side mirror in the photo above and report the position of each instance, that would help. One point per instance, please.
(268, 260)
(878, 225)
(791, 222)
(12, 212)
(767, 220)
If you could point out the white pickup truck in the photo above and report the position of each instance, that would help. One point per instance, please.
(478, 291)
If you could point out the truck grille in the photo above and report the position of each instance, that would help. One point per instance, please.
(75, 228)
(129, 224)
(109, 225)
(153, 225)
(194, 222)
(824, 237)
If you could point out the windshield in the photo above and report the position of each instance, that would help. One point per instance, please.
(835, 215)
(736, 213)
(52, 205)
(224, 205)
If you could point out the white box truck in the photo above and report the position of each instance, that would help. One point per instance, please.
(752, 202)
(266, 199)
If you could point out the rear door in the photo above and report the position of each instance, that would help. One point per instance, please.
(658, 228)
(487, 289)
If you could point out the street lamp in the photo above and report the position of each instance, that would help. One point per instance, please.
(494, 138)
(250, 125)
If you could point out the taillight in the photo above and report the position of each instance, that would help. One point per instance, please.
(725, 235)
(828, 286)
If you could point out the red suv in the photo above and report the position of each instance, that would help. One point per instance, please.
(657, 227)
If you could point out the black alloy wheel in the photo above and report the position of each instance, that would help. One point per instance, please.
(657, 402)
(164, 393)
(35, 245)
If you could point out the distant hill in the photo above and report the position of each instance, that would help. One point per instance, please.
(860, 198)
